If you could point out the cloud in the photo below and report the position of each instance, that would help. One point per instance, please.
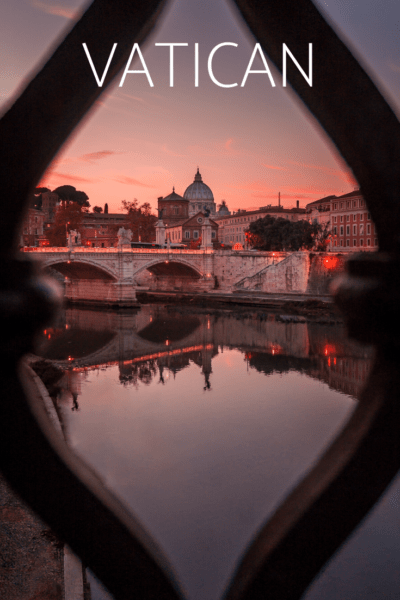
(130, 181)
(130, 97)
(93, 156)
(66, 177)
(341, 174)
(274, 167)
(57, 9)
(165, 149)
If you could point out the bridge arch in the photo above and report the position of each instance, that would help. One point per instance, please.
(81, 269)
(175, 267)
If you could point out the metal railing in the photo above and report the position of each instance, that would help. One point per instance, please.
(336, 495)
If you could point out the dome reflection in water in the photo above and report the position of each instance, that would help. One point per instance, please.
(202, 420)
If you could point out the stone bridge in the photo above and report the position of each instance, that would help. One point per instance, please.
(113, 276)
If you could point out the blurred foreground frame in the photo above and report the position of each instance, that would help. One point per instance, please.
(323, 510)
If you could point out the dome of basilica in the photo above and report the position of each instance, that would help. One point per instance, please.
(198, 191)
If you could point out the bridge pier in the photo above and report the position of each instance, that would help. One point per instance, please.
(100, 292)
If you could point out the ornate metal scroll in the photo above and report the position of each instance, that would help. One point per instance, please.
(323, 510)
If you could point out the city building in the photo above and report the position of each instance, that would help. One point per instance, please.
(32, 227)
(319, 211)
(189, 230)
(100, 230)
(173, 208)
(200, 197)
(350, 222)
(232, 227)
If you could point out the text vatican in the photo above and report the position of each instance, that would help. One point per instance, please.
(256, 52)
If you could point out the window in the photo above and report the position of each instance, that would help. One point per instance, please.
(341, 204)
(368, 228)
(355, 203)
(196, 235)
(354, 242)
(361, 228)
(341, 231)
(341, 218)
(334, 230)
(335, 205)
(347, 242)
(341, 242)
(369, 216)
(334, 219)
(368, 242)
(213, 235)
(347, 217)
(187, 234)
(361, 217)
(361, 202)
(347, 229)
(354, 229)
(361, 242)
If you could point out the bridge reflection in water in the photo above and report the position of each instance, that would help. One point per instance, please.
(202, 421)
(155, 339)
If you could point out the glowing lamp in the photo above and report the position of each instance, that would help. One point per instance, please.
(330, 262)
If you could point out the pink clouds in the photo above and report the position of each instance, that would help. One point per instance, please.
(65, 178)
(93, 156)
(274, 167)
(131, 181)
(57, 9)
(345, 176)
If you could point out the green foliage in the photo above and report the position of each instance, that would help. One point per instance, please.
(67, 194)
(141, 221)
(280, 234)
(97, 209)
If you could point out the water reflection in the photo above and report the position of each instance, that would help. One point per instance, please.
(158, 342)
(203, 421)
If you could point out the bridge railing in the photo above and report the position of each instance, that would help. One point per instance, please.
(83, 250)
(324, 509)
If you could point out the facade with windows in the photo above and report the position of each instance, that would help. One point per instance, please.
(351, 225)
(32, 227)
(174, 208)
(189, 230)
(232, 228)
(100, 230)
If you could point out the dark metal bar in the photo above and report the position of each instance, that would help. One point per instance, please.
(330, 502)
(343, 99)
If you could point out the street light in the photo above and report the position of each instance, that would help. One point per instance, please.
(66, 231)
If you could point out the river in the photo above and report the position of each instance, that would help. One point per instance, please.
(202, 420)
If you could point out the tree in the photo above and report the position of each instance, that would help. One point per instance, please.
(140, 219)
(68, 217)
(280, 234)
(106, 209)
(97, 209)
(68, 194)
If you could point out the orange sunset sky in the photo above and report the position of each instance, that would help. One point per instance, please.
(249, 142)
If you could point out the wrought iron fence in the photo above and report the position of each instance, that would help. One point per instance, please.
(349, 478)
